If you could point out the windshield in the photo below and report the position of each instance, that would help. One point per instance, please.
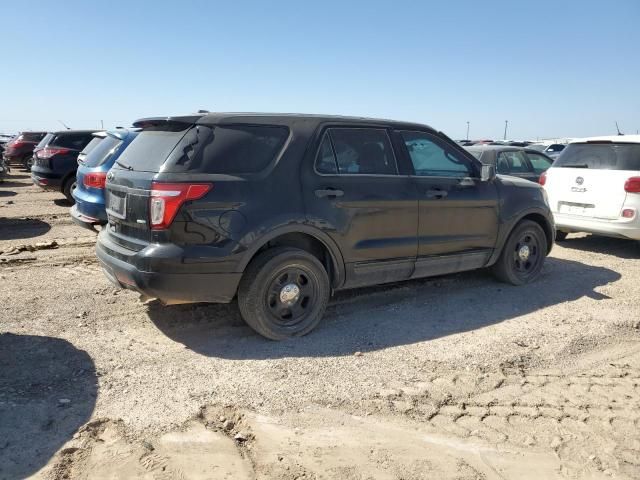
(600, 156)
(101, 153)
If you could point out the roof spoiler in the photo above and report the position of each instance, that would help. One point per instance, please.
(163, 121)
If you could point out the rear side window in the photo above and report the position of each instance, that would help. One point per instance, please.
(227, 149)
(556, 147)
(540, 163)
(75, 141)
(102, 152)
(601, 156)
(359, 151)
(475, 153)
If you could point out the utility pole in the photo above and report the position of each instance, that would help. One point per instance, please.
(101, 125)
(467, 130)
(506, 123)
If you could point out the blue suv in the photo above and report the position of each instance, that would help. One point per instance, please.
(91, 176)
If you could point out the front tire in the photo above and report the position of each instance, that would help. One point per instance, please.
(283, 293)
(522, 255)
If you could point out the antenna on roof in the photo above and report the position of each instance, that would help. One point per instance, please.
(64, 125)
(619, 132)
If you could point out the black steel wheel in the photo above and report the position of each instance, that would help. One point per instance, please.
(283, 293)
(523, 254)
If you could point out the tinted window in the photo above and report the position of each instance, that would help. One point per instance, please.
(540, 163)
(32, 136)
(228, 149)
(430, 158)
(604, 156)
(326, 160)
(102, 152)
(512, 162)
(364, 151)
(76, 141)
(149, 150)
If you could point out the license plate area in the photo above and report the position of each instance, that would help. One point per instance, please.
(116, 204)
(572, 208)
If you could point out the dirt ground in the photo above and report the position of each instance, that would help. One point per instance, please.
(457, 377)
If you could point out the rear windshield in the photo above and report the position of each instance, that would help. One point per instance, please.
(600, 156)
(102, 152)
(45, 141)
(228, 149)
(32, 136)
(91, 145)
(75, 141)
(149, 150)
(537, 146)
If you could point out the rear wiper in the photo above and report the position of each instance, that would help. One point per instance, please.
(576, 165)
(123, 165)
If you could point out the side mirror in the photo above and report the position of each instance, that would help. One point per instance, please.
(487, 173)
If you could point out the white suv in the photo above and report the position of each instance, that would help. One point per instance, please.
(594, 186)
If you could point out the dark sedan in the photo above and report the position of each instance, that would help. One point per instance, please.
(520, 162)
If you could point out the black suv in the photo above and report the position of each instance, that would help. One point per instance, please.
(281, 210)
(55, 160)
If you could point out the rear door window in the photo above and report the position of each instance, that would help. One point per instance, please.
(102, 152)
(326, 160)
(600, 156)
(363, 151)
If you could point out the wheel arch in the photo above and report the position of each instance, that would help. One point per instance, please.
(306, 238)
(535, 215)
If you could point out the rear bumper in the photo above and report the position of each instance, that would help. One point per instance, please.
(610, 228)
(46, 179)
(83, 220)
(169, 287)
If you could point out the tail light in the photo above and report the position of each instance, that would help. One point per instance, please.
(16, 144)
(49, 152)
(628, 213)
(543, 178)
(167, 198)
(632, 185)
(94, 179)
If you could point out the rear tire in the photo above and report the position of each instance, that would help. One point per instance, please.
(68, 188)
(522, 255)
(561, 236)
(27, 162)
(283, 293)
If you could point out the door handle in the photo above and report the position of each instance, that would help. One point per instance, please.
(437, 193)
(329, 192)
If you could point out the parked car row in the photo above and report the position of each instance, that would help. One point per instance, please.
(279, 211)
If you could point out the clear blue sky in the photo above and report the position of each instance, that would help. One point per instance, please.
(552, 68)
